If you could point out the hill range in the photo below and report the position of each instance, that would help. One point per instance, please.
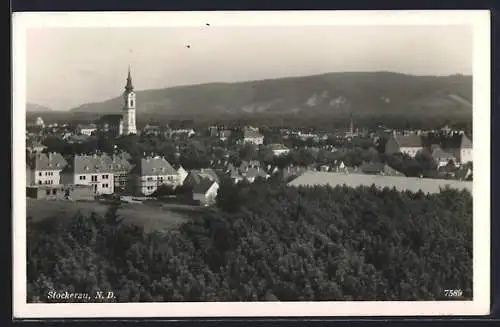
(376, 93)
(32, 108)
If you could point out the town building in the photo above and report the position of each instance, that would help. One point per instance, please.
(195, 176)
(152, 129)
(205, 191)
(39, 122)
(278, 149)
(181, 175)
(60, 192)
(151, 172)
(95, 170)
(377, 168)
(45, 168)
(87, 129)
(441, 157)
(407, 144)
(224, 134)
(252, 136)
(464, 151)
(121, 170)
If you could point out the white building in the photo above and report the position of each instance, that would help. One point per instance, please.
(465, 152)
(45, 169)
(87, 129)
(278, 149)
(94, 170)
(151, 172)
(252, 136)
(407, 144)
(205, 191)
(39, 122)
(182, 174)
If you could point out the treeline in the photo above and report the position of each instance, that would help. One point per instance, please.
(267, 243)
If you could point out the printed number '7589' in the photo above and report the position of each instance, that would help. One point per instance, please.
(453, 293)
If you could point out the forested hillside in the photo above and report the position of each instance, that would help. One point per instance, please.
(332, 94)
(268, 243)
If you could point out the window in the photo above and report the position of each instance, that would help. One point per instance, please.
(150, 179)
(46, 173)
(94, 178)
(82, 178)
(170, 178)
(54, 192)
(104, 176)
(40, 182)
(47, 192)
(105, 185)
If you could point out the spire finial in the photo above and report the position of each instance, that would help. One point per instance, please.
(129, 87)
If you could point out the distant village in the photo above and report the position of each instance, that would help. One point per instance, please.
(239, 154)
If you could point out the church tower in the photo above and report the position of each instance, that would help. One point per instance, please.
(129, 107)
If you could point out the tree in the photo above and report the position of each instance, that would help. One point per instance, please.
(248, 152)
(163, 190)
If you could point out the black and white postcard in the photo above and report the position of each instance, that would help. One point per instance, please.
(225, 164)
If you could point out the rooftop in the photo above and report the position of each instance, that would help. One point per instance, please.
(332, 179)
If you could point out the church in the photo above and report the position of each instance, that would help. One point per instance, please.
(122, 124)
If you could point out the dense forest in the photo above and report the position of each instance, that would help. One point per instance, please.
(267, 242)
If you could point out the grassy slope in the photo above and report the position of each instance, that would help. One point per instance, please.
(149, 216)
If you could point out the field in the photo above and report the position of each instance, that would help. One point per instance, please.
(151, 216)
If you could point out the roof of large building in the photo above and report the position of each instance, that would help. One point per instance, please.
(332, 179)
(251, 134)
(205, 173)
(153, 166)
(203, 185)
(119, 162)
(438, 153)
(379, 168)
(277, 147)
(46, 161)
(409, 141)
(90, 164)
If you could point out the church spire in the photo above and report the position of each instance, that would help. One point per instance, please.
(129, 87)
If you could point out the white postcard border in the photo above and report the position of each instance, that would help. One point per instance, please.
(479, 20)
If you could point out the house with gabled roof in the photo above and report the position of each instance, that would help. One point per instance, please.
(252, 136)
(196, 175)
(44, 168)
(150, 172)
(464, 151)
(252, 173)
(121, 169)
(95, 170)
(278, 149)
(410, 144)
(182, 174)
(441, 157)
(205, 191)
(378, 168)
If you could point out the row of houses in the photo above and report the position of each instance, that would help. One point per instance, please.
(50, 175)
(460, 153)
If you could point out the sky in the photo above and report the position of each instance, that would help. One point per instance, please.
(69, 66)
